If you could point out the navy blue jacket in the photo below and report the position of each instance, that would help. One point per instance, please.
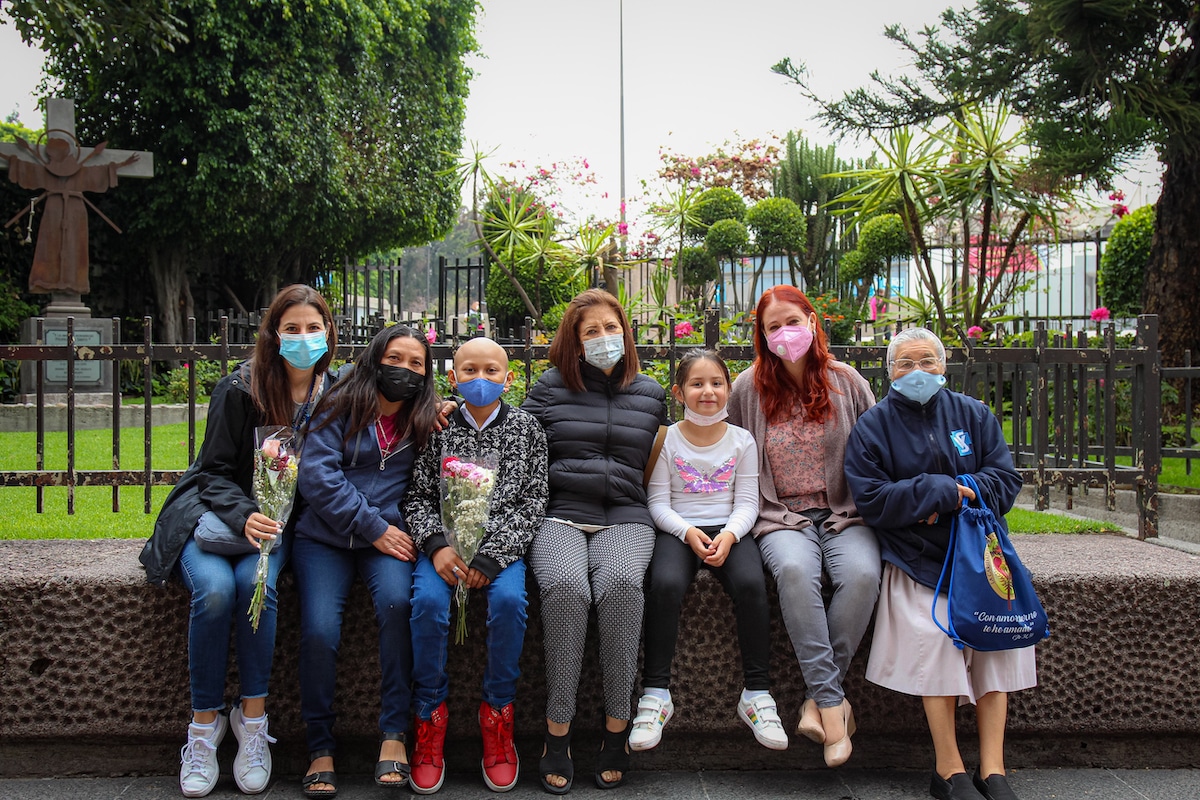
(599, 442)
(901, 462)
(351, 501)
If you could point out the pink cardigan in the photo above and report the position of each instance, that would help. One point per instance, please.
(851, 396)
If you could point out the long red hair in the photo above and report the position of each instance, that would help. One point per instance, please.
(778, 391)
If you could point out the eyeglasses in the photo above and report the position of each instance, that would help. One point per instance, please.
(906, 364)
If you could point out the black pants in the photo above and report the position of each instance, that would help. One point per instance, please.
(672, 570)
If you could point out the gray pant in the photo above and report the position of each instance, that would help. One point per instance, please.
(824, 641)
(574, 570)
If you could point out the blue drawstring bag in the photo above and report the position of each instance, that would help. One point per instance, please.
(990, 601)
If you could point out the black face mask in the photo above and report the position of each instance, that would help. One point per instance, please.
(398, 384)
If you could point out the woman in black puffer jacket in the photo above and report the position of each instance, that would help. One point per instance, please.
(601, 416)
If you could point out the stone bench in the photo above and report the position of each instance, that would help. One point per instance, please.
(93, 664)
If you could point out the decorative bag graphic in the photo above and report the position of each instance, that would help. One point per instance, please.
(990, 601)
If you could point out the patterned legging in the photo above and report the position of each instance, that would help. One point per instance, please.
(573, 570)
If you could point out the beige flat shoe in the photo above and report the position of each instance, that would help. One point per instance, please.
(810, 722)
(838, 753)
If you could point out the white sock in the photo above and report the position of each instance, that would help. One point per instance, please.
(253, 720)
(206, 729)
(749, 696)
(660, 694)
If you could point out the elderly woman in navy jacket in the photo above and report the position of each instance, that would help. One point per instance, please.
(601, 417)
(357, 463)
(901, 463)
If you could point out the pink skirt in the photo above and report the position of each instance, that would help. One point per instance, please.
(910, 654)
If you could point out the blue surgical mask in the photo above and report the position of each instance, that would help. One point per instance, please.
(302, 350)
(604, 352)
(919, 386)
(480, 392)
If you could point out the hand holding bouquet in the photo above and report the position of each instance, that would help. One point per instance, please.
(275, 469)
(466, 495)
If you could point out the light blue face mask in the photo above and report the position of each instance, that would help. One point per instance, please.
(302, 350)
(480, 392)
(604, 352)
(919, 386)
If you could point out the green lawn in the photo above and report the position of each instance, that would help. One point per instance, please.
(1023, 521)
(93, 517)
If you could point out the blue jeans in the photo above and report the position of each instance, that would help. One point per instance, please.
(824, 641)
(431, 634)
(324, 575)
(221, 588)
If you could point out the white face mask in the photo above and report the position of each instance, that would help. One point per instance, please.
(604, 352)
(703, 421)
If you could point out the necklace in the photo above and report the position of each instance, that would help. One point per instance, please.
(386, 445)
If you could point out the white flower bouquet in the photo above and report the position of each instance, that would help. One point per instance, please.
(276, 463)
(466, 495)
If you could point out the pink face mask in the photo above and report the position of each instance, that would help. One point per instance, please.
(790, 342)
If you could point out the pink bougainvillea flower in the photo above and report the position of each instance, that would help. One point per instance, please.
(974, 332)
(431, 335)
(684, 329)
(622, 229)
(1100, 314)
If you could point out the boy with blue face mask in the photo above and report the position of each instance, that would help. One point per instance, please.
(485, 430)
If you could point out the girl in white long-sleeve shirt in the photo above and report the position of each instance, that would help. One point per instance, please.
(703, 496)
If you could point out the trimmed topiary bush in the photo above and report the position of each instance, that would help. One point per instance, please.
(1123, 265)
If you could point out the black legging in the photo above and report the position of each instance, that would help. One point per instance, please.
(672, 570)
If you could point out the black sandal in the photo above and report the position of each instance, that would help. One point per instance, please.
(613, 757)
(557, 761)
(327, 777)
(387, 767)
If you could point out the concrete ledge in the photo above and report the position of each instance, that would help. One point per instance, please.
(94, 667)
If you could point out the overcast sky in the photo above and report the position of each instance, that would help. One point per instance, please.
(697, 73)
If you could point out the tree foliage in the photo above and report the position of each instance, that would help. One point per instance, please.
(285, 137)
(1097, 81)
(98, 25)
(1123, 265)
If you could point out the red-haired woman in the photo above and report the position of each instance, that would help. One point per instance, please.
(601, 417)
(800, 404)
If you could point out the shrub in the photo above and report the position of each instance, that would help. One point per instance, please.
(175, 383)
(1123, 265)
(714, 205)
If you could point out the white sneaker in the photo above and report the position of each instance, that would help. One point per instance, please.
(252, 764)
(652, 715)
(199, 771)
(762, 717)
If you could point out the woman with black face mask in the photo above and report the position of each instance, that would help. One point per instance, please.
(357, 462)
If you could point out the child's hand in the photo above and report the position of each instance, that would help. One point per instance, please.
(449, 566)
(698, 540)
(476, 579)
(721, 545)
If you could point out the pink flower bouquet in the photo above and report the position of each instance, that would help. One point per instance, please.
(276, 463)
(466, 496)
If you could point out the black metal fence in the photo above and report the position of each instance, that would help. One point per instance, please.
(1071, 412)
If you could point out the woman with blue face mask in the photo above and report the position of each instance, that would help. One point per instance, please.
(601, 417)
(901, 464)
(208, 531)
(800, 404)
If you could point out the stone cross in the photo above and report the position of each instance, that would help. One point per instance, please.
(64, 170)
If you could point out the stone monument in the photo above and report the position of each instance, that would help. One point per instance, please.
(63, 170)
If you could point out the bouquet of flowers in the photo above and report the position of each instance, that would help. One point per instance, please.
(276, 463)
(466, 494)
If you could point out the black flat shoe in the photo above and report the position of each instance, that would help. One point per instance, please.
(557, 761)
(614, 757)
(327, 777)
(388, 767)
(958, 787)
(994, 788)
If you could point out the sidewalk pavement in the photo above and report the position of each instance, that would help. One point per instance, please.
(842, 784)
